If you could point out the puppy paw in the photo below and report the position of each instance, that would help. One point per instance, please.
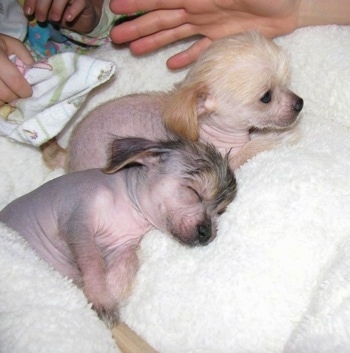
(287, 136)
(274, 138)
(109, 316)
(104, 303)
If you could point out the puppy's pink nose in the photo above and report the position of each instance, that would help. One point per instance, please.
(298, 106)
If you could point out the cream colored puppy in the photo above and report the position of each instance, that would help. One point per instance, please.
(234, 96)
(238, 87)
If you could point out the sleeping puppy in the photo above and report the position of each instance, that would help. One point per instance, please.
(237, 87)
(88, 225)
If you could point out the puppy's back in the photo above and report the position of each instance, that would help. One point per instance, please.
(138, 115)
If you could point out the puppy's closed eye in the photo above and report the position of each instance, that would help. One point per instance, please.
(199, 197)
(266, 98)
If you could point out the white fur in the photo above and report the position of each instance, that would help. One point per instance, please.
(275, 280)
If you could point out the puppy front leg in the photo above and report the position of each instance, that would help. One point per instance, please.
(264, 141)
(92, 267)
(122, 267)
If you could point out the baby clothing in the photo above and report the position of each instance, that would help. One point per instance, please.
(61, 78)
(60, 86)
(12, 20)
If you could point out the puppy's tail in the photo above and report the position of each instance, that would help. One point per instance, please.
(53, 154)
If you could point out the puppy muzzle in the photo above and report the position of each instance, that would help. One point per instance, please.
(205, 233)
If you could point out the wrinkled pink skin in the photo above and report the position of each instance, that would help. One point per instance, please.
(76, 221)
(88, 224)
(134, 115)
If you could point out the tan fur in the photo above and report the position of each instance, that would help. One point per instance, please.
(53, 154)
(180, 113)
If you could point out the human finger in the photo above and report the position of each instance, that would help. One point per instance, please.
(57, 9)
(41, 9)
(132, 6)
(22, 53)
(6, 94)
(10, 45)
(29, 7)
(62, 10)
(160, 39)
(147, 24)
(188, 56)
(13, 84)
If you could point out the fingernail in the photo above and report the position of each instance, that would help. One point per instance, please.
(54, 17)
(27, 10)
(69, 17)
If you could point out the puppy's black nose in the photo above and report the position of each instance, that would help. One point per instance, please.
(298, 106)
(204, 233)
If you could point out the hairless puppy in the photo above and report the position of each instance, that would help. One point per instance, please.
(236, 96)
(88, 224)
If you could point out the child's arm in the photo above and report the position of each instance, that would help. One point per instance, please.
(12, 83)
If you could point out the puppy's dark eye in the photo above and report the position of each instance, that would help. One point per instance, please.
(266, 98)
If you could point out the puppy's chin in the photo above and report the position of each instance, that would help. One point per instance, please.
(278, 125)
(286, 123)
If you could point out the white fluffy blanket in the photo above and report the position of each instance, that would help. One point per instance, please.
(277, 277)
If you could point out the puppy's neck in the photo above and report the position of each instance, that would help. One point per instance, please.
(223, 140)
(132, 179)
(138, 190)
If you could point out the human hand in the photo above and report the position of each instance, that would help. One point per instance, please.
(12, 83)
(170, 20)
(81, 16)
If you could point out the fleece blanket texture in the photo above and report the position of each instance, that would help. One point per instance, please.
(277, 277)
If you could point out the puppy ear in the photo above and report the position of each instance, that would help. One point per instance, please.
(182, 111)
(132, 151)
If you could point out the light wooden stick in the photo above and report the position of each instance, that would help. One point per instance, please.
(129, 342)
